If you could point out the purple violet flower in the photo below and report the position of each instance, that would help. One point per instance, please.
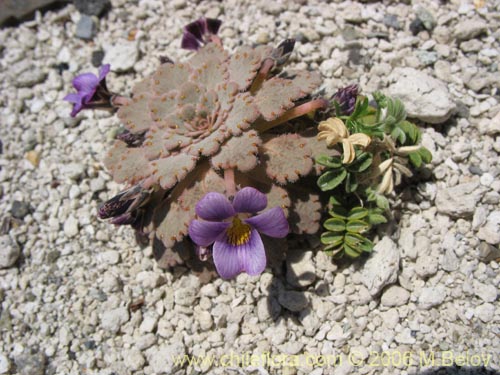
(346, 99)
(91, 91)
(234, 231)
(200, 32)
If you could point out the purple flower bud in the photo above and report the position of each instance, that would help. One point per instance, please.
(346, 99)
(91, 91)
(199, 32)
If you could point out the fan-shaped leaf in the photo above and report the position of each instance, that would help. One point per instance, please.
(127, 164)
(276, 96)
(170, 77)
(286, 158)
(168, 171)
(238, 152)
(242, 115)
(243, 66)
(135, 114)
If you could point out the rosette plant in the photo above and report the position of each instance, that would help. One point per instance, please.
(219, 158)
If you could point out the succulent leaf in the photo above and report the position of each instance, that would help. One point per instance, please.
(239, 152)
(242, 114)
(243, 66)
(210, 73)
(127, 164)
(287, 157)
(168, 171)
(162, 106)
(170, 77)
(304, 80)
(135, 114)
(276, 96)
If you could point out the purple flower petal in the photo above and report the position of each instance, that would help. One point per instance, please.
(214, 207)
(226, 259)
(249, 200)
(272, 223)
(104, 71)
(212, 25)
(190, 42)
(204, 233)
(85, 83)
(196, 28)
(252, 255)
(73, 98)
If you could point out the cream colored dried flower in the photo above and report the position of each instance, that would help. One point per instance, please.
(334, 131)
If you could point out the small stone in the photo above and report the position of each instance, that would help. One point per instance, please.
(148, 324)
(133, 359)
(33, 157)
(485, 312)
(493, 125)
(30, 77)
(73, 171)
(405, 337)
(71, 227)
(205, 320)
(20, 209)
(480, 216)
(450, 261)
(431, 296)
(110, 257)
(391, 20)
(488, 253)
(4, 364)
(416, 26)
(395, 296)
(163, 359)
(92, 7)
(112, 320)
(490, 231)
(382, 267)
(122, 56)
(300, 268)
(427, 57)
(470, 28)
(487, 292)
(30, 364)
(9, 251)
(97, 57)
(458, 201)
(425, 97)
(426, 17)
(86, 27)
(293, 300)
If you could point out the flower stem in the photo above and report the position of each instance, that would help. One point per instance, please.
(229, 180)
(298, 111)
(264, 70)
(118, 101)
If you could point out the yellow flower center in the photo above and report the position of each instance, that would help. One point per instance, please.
(238, 233)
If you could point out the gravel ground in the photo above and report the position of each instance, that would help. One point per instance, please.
(78, 296)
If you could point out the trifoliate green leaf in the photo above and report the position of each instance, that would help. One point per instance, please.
(335, 225)
(357, 226)
(332, 239)
(357, 213)
(351, 184)
(331, 179)
(375, 219)
(425, 154)
(329, 161)
(415, 159)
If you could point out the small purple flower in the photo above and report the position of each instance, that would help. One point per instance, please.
(234, 232)
(200, 32)
(346, 99)
(91, 91)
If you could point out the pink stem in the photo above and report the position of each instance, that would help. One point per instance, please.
(292, 113)
(229, 180)
(118, 101)
(264, 70)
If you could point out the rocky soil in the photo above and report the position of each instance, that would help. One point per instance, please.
(78, 296)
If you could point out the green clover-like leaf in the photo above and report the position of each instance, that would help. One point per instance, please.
(335, 225)
(331, 179)
(357, 226)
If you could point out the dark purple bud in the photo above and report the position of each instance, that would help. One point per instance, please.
(125, 202)
(131, 139)
(282, 53)
(166, 60)
(128, 218)
(92, 91)
(346, 99)
(199, 32)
